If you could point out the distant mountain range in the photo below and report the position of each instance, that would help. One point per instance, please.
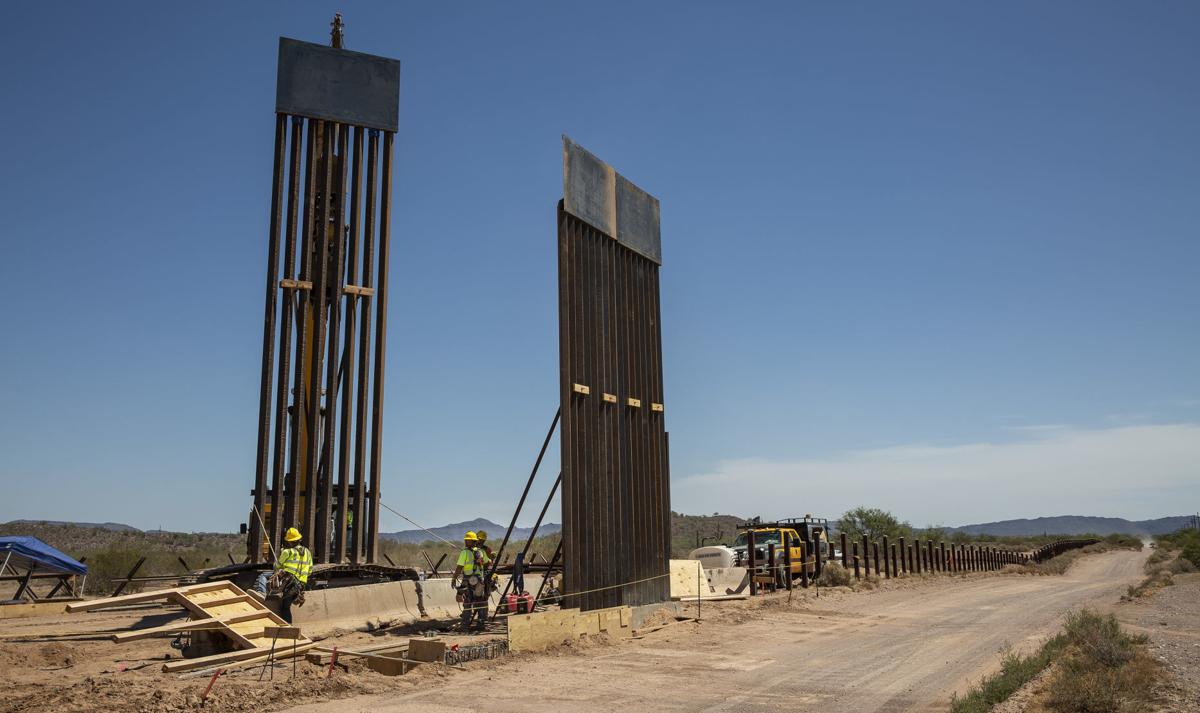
(687, 527)
(1076, 525)
(113, 526)
(454, 532)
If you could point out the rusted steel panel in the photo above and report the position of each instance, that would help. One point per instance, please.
(312, 472)
(615, 490)
(337, 85)
(609, 202)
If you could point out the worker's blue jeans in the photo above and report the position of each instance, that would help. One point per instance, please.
(260, 584)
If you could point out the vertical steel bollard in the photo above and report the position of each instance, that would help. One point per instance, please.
(917, 555)
(903, 562)
(820, 562)
(866, 555)
(929, 556)
(845, 563)
(804, 565)
(875, 556)
(752, 561)
(943, 555)
(771, 566)
(856, 575)
(787, 566)
(887, 566)
(895, 572)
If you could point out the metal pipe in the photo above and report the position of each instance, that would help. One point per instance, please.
(367, 513)
(348, 344)
(315, 526)
(262, 454)
(293, 516)
(525, 493)
(533, 533)
(288, 298)
(752, 558)
(334, 295)
(546, 577)
(381, 287)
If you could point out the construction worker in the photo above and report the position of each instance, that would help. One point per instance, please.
(481, 537)
(290, 576)
(468, 576)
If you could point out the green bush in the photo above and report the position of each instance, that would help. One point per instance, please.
(1015, 672)
(1105, 669)
(107, 567)
(1186, 541)
(1100, 638)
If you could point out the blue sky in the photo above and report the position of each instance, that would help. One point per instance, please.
(908, 250)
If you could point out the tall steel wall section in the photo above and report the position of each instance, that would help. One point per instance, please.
(325, 321)
(615, 480)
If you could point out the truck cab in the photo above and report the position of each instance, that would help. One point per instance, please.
(791, 534)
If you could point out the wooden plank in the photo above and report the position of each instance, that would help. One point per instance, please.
(19, 611)
(428, 650)
(142, 597)
(282, 632)
(192, 625)
(321, 656)
(209, 604)
(243, 657)
(189, 625)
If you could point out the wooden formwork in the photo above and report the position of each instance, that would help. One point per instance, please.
(220, 607)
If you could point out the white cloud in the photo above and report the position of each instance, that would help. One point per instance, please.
(1136, 472)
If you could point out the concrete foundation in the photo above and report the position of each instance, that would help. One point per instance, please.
(372, 606)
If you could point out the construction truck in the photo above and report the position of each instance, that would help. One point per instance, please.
(790, 533)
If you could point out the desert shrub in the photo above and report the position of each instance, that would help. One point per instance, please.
(1015, 672)
(1105, 670)
(1181, 566)
(109, 566)
(1098, 669)
(834, 575)
(1100, 637)
(1186, 541)
(874, 523)
(1191, 552)
(868, 582)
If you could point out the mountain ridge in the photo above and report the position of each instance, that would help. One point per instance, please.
(1076, 525)
(455, 530)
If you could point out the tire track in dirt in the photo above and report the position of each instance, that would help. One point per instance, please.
(895, 651)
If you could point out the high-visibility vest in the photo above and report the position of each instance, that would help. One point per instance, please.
(472, 559)
(297, 561)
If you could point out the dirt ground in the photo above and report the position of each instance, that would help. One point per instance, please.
(1171, 618)
(903, 647)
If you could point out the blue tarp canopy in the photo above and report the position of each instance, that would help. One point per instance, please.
(27, 553)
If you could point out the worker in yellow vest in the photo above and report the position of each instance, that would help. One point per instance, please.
(468, 579)
(290, 576)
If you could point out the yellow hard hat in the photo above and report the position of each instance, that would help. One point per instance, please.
(293, 535)
(470, 536)
(480, 535)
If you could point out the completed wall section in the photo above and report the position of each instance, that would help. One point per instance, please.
(616, 482)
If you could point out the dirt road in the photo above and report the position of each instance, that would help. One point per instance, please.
(905, 649)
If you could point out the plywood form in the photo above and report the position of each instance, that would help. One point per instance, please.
(541, 630)
(214, 606)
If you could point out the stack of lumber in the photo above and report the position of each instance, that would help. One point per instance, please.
(214, 606)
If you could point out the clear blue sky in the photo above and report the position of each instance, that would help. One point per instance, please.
(908, 250)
